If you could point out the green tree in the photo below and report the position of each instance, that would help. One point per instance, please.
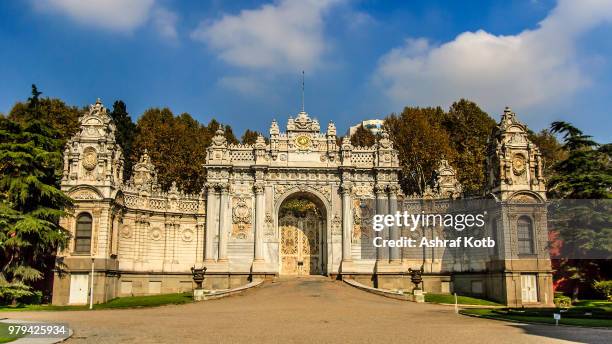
(586, 172)
(31, 203)
(421, 142)
(468, 128)
(229, 135)
(582, 219)
(363, 137)
(249, 136)
(550, 148)
(126, 130)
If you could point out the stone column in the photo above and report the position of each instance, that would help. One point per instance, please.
(381, 208)
(114, 246)
(223, 223)
(394, 253)
(211, 214)
(259, 221)
(347, 222)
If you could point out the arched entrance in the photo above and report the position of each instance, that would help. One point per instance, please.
(302, 227)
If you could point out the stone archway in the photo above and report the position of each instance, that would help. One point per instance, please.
(302, 224)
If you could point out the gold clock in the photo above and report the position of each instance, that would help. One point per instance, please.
(518, 164)
(302, 142)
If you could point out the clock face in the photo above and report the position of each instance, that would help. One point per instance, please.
(303, 142)
(518, 164)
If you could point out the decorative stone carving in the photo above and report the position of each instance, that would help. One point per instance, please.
(126, 232)
(269, 224)
(144, 174)
(446, 184)
(513, 162)
(84, 194)
(187, 235)
(518, 164)
(90, 158)
(336, 225)
(241, 212)
(155, 234)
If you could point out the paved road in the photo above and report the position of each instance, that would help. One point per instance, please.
(305, 310)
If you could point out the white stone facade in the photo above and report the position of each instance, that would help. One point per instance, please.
(145, 240)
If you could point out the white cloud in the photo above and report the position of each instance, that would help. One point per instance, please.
(524, 70)
(114, 15)
(286, 35)
(165, 22)
(117, 15)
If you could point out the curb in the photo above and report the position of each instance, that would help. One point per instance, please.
(219, 294)
(382, 292)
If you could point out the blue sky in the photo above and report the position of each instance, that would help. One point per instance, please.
(241, 61)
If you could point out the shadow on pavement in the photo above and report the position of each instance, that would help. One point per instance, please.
(574, 334)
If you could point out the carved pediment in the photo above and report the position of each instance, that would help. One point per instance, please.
(84, 194)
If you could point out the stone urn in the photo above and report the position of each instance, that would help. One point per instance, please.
(198, 278)
(416, 277)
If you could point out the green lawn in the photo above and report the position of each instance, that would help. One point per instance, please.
(5, 337)
(463, 300)
(576, 316)
(594, 303)
(120, 302)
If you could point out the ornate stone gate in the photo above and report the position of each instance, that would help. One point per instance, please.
(258, 178)
(144, 240)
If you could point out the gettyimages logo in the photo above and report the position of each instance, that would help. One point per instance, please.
(457, 222)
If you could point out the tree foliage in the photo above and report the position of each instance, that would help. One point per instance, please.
(421, 141)
(423, 136)
(31, 203)
(550, 148)
(249, 136)
(582, 219)
(53, 112)
(126, 131)
(177, 146)
(586, 172)
(363, 137)
(468, 128)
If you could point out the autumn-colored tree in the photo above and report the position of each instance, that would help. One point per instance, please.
(550, 148)
(363, 137)
(421, 142)
(468, 128)
(177, 146)
(53, 112)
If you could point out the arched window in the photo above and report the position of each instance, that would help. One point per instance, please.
(524, 228)
(82, 238)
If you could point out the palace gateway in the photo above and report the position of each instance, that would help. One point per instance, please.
(141, 240)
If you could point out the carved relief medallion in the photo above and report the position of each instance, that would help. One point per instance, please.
(126, 232)
(187, 235)
(155, 234)
(90, 158)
